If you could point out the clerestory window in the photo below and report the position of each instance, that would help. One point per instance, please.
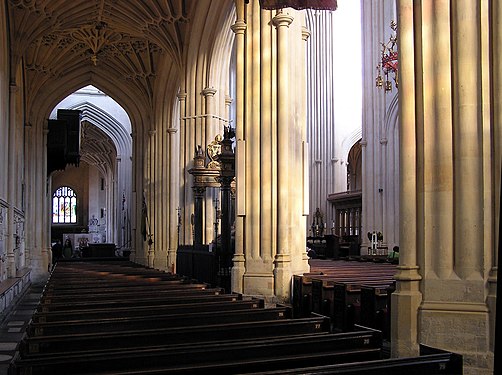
(64, 206)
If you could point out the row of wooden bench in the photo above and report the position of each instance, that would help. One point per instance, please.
(348, 292)
(118, 318)
(354, 294)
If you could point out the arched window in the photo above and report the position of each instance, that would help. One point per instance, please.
(64, 206)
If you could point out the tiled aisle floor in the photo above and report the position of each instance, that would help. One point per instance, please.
(13, 326)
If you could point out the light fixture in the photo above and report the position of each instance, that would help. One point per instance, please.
(388, 64)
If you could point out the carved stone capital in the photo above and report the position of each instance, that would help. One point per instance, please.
(239, 27)
(209, 91)
(281, 20)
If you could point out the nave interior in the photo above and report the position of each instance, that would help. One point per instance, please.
(117, 317)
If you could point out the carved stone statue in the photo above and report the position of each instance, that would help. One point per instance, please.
(213, 151)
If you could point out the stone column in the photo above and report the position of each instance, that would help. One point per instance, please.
(269, 154)
(238, 269)
(208, 93)
(136, 199)
(173, 199)
(447, 108)
(365, 199)
(282, 272)
(438, 138)
(28, 176)
(496, 32)
(12, 172)
(210, 131)
(186, 198)
(456, 181)
(407, 297)
(306, 182)
(467, 145)
(372, 118)
(382, 190)
(228, 103)
(150, 170)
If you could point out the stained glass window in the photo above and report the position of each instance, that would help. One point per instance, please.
(64, 206)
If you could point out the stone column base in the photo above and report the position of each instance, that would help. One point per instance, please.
(282, 277)
(461, 328)
(405, 302)
(258, 284)
(237, 277)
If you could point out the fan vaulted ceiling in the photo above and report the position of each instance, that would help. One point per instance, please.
(122, 40)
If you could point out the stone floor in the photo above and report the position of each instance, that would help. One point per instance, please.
(13, 325)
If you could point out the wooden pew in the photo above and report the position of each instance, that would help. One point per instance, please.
(322, 291)
(431, 361)
(347, 302)
(109, 330)
(323, 288)
(218, 357)
(32, 346)
(113, 324)
(107, 282)
(147, 310)
(201, 296)
(375, 301)
(91, 298)
(102, 287)
(111, 280)
(301, 298)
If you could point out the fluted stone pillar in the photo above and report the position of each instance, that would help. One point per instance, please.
(12, 173)
(270, 133)
(447, 179)
(210, 129)
(496, 31)
(365, 199)
(282, 271)
(36, 182)
(173, 198)
(407, 297)
(28, 176)
(136, 200)
(379, 160)
(467, 145)
(238, 269)
(438, 186)
(150, 173)
(186, 195)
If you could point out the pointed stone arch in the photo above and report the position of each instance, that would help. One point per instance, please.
(107, 145)
(354, 167)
